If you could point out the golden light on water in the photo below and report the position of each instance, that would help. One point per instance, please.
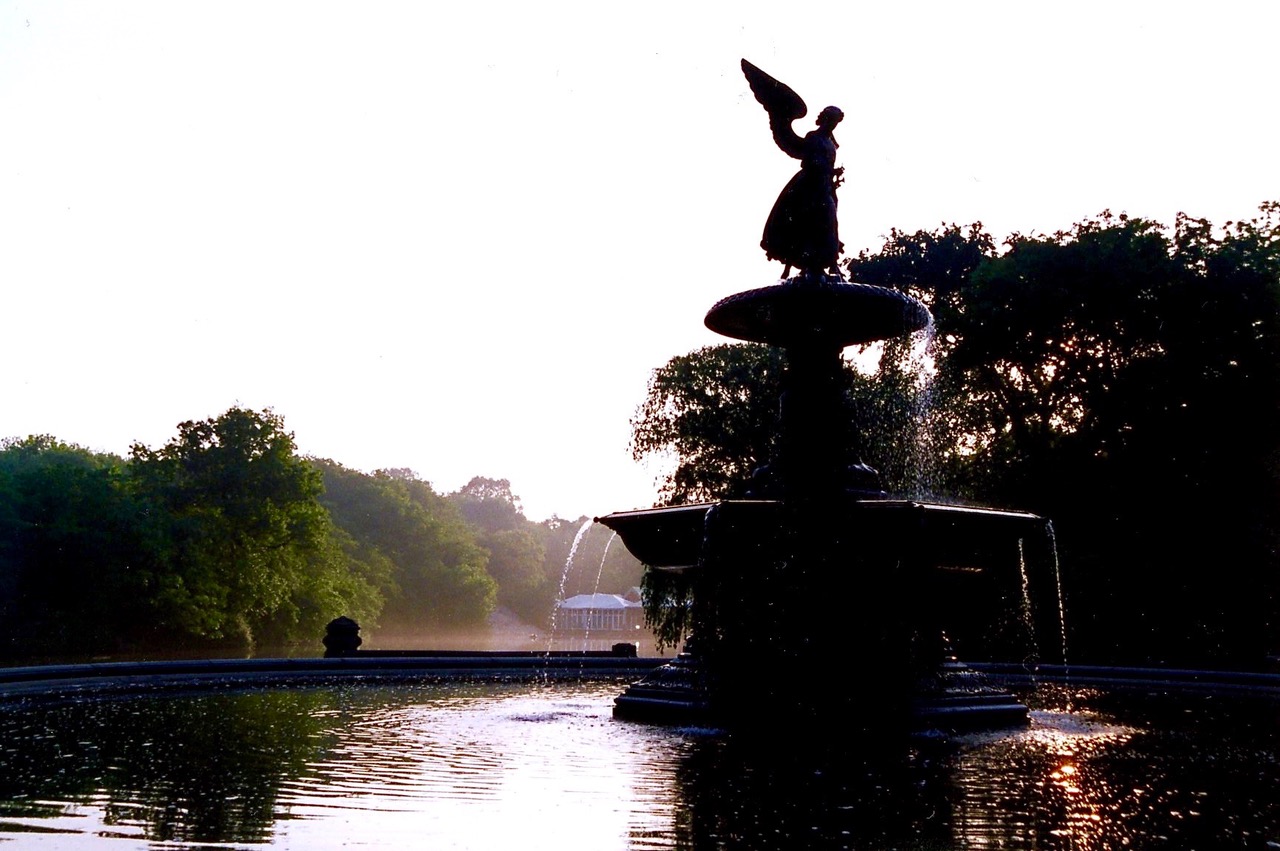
(1063, 778)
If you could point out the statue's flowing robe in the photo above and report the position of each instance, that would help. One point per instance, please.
(801, 230)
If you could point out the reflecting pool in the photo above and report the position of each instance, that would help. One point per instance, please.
(488, 766)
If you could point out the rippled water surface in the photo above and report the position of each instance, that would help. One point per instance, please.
(531, 767)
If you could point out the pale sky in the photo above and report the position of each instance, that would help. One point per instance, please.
(458, 237)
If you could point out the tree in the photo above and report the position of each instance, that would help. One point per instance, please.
(1120, 378)
(715, 411)
(530, 561)
(245, 542)
(99, 555)
(934, 267)
(489, 504)
(599, 564)
(516, 547)
(72, 559)
(517, 562)
(435, 573)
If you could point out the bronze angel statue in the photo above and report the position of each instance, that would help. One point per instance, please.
(801, 230)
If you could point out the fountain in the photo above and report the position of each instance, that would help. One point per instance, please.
(476, 750)
(815, 597)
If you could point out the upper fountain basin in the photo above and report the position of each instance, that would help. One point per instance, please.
(812, 310)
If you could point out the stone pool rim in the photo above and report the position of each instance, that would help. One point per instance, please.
(106, 678)
(149, 676)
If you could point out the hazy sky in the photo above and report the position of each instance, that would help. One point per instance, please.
(457, 237)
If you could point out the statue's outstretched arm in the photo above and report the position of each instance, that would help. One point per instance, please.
(783, 105)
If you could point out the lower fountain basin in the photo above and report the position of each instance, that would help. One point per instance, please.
(794, 597)
(535, 766)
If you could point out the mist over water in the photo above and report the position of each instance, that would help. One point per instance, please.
(506, 632)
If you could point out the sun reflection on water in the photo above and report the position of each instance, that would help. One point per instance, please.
(521, 770)
(1062, 801)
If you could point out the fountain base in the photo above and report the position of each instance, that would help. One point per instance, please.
(671, 694)
(961, 700)
(965, 700)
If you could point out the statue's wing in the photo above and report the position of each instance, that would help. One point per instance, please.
(778, 98)
(781, 102)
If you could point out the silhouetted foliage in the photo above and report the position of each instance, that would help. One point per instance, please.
(1120, 377)
(75, 547)
(716, 411)
(668, 606)
(1123, 379)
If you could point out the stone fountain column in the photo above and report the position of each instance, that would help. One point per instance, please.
(814, 317)
(805, 594)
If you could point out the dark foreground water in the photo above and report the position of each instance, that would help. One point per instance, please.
(545, 767)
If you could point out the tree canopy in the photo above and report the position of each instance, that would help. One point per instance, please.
(435, 569)
(225, 537)
(218, 536)
(713, 413)
(243, 525)
(73, 541)
(1123, 378)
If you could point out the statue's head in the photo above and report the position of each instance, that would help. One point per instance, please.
(830, 117)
